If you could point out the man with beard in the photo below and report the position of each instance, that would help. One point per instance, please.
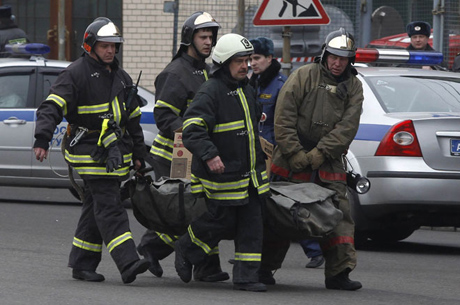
(175, 87)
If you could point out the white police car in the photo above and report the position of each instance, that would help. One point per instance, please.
(24, 84)
(407, 145)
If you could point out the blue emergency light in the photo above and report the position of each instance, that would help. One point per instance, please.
(27, 48)
(398, 56)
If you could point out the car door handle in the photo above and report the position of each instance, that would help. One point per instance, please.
(14, 121)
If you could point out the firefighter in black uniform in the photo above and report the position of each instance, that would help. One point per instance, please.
(175, 87)
(104, 137)
(9, 31)
(228, 167)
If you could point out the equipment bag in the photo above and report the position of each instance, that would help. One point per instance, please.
(167, 206)
(301, 210)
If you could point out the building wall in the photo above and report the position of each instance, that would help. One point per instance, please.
(148, 32)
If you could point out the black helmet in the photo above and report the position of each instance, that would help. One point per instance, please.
(198, 20)
(101, 29)
(340, 43)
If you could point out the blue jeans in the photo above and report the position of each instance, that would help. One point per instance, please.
(311, 247)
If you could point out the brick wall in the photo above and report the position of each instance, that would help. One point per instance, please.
(148, 32)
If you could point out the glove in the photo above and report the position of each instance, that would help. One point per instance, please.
(99, 154)
(299, 161)
(315, 158)
(114, 159)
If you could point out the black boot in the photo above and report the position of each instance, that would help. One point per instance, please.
(341, 281)
(138, 267)
(256, 287)
(315, 262)
(85, 275)
(182, 265)
(266, 277)
(155, 267)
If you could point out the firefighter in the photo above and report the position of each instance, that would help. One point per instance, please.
(228, 166)
(316, 119)
(105, 136)
(175, 87)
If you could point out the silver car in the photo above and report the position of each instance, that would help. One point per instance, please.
(408, 146)
(24, 83)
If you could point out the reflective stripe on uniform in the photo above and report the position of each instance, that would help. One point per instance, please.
(163, 104)
(207, 249)
(229, 126)
(167, 239)
(118, 241)
(196, 121)
(86, 245)
(102, 171)
(59, 101)
(162, 147)
(136, 112)
(248, 257)
(92, 109)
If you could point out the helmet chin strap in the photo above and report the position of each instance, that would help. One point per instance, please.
(201, 55)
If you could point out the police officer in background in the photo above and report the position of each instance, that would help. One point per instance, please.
(316, 119)
(419, 33)
(105, 136)
(9, 31)
(175, 87)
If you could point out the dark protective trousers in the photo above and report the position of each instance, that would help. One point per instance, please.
(161, 245)
(241, 223)
(338, 247)
(103, 219)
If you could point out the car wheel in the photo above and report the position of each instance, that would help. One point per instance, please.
(392, 234)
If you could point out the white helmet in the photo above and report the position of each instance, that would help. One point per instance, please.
(231, 45)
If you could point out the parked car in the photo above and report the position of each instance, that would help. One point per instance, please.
(29, 80)
(408, 146)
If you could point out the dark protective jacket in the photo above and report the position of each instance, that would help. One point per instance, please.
(175, 87)
(10, 34)
(222, 121)
(316, 109)
(86, 93)
(268, 85)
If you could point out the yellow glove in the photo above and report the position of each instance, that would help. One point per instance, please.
(299, 161)
(315, 158)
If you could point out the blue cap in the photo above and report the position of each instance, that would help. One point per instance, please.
(263, 45)
(418, 28)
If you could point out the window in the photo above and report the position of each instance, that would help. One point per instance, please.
(13, 91)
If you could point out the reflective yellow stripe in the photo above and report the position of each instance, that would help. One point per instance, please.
(136, 112)
(263, 188)
(218, 186)
(251, 136)
(119, 240)
(248, 257)
(109, 139)
(229, 126)
(59, 101)
(102, 171)
(86, 245)
(198, 242)
(196, 121)
(167, 239)
(93, 108)
(87, 158)
(189, 102)
(227, 195)
(205, 74)
(164, 141)
(161, 153)
(214, 251)
(163, 104)
(116, 110)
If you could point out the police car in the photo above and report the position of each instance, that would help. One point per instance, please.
(24, 84)
(407, 145)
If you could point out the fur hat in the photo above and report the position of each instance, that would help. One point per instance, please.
(5, 11)
(418, 28)
(263, 45)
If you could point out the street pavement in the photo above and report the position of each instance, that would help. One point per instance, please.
(37, 226)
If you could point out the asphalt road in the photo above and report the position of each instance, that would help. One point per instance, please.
(37, 226)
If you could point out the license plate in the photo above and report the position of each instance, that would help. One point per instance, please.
(455, 147)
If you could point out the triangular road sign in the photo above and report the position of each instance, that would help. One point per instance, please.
(288, 12)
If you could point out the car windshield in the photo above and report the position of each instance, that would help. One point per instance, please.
(416, 94)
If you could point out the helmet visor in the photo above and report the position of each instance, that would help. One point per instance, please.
(109, 33)
(341, 46)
